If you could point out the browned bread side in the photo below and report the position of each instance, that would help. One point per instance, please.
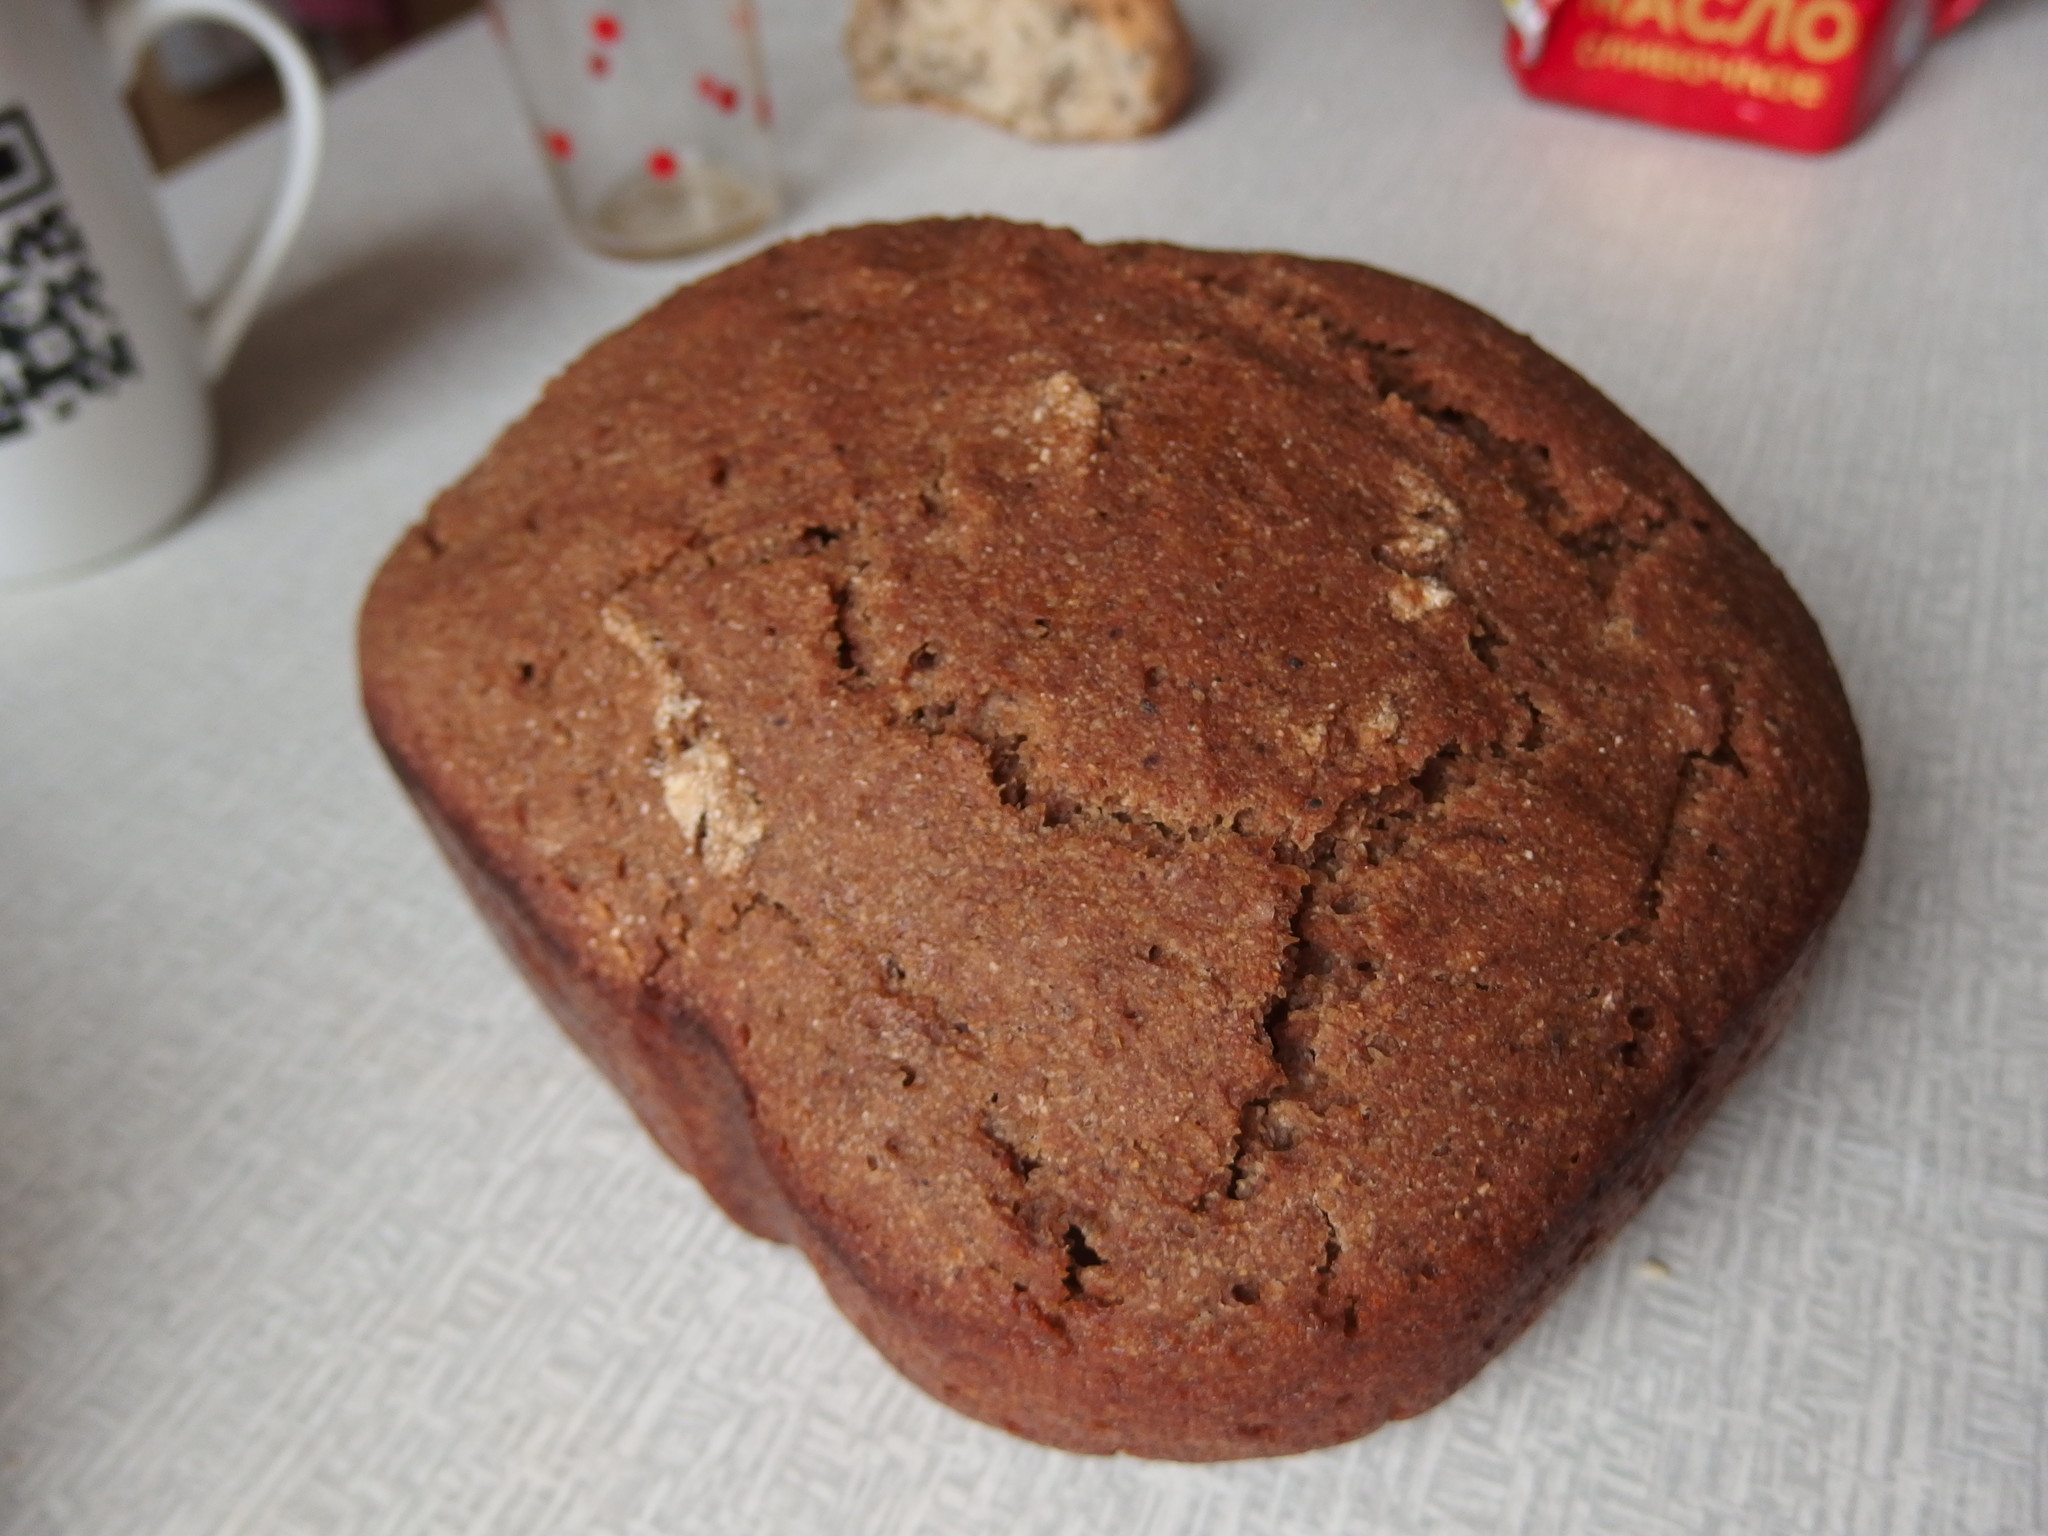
(1046, 69)
(1196, 828)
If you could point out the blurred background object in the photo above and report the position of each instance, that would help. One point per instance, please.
(1799, 74)
(652, 117)
(202, 84)
(1058, 70)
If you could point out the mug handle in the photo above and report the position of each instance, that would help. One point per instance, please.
(130, 26)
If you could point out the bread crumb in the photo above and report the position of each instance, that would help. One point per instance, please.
(1654, 1269)
(1420, 549)
(1065, 421)
(1413, 596)
(1385, 723)
(1046, 69)
(713, 805)
(705, 792)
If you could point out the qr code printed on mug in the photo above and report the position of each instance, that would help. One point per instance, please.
(60, 340)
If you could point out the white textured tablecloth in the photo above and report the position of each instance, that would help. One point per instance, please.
(311, 1222)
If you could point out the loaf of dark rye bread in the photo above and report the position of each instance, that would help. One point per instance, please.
(1197, 829)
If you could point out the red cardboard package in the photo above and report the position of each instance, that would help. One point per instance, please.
(1801, 74)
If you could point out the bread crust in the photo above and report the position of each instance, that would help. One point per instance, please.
(1197, 829)
(1046, 69)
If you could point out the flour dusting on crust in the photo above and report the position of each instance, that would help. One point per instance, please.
(703, 788)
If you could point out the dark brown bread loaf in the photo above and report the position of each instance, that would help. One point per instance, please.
(1198, 829)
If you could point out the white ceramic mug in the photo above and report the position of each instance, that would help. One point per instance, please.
(106, 431)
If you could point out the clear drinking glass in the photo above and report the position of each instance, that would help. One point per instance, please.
(652, 117)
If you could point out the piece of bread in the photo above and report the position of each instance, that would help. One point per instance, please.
(1046, 69)
(1198, 829)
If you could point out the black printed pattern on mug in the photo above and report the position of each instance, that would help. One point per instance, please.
(60, 339)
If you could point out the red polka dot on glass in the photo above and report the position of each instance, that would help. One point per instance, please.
(721, 94)
(559, 145)
(604, 26)
(599, 65)
(661, 164)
